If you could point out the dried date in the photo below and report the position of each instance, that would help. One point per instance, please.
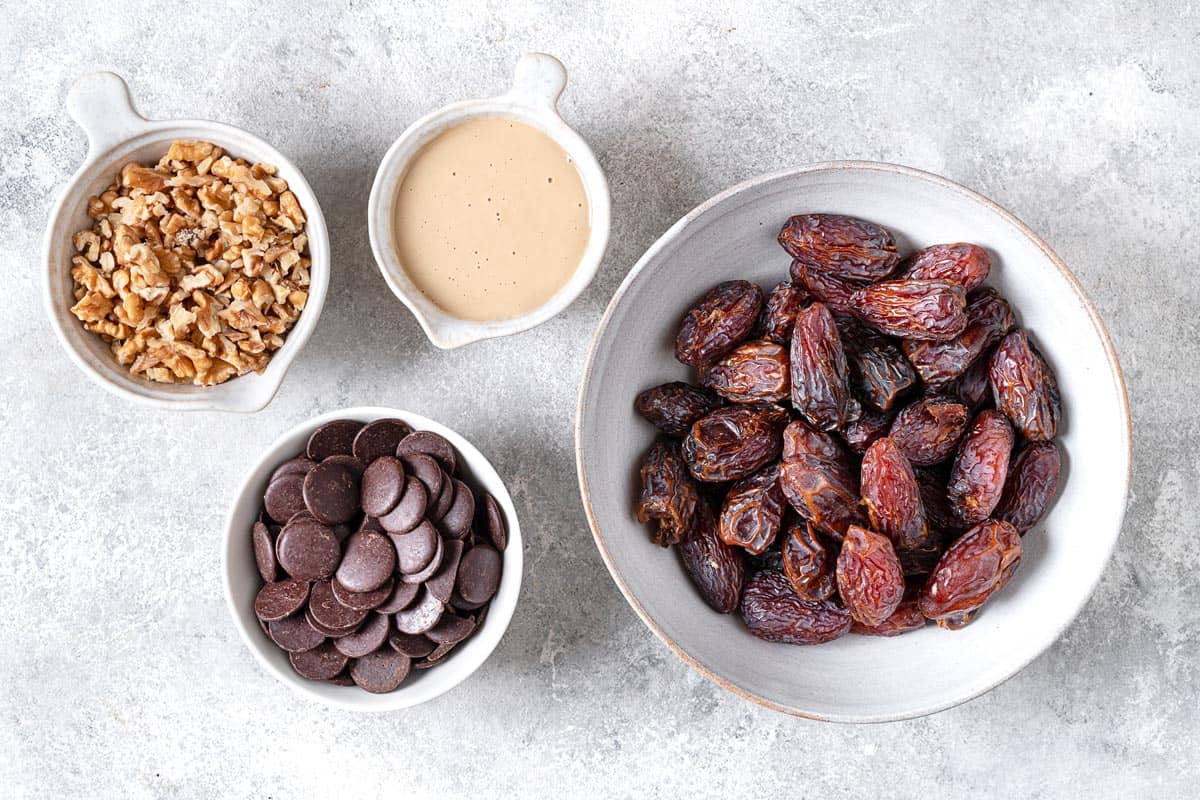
(980, 468)
(668, 493)
(823, 492)
(879, 372)
(891, 494)
(935, 500)
(907, 617)
(716, 569)
(974, 387)
(1032, 481)
(719, 321)
(807, 563)
(801, 438)
(674, 407)
(932, 310)
(775, 613)
(979, 563)
(1025, 387)
(866, 430)
(754, 372)
(989, 318)
(734, 442)
(928, 431)
(825, 286)
(869, 578)
(820, 375)
(779, 314)
(965, 264)
(753, 511)
(850, 247)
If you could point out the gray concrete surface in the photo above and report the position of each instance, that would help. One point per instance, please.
(120, 673)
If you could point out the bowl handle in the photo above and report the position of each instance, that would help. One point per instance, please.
(538, 80)
(101, 104)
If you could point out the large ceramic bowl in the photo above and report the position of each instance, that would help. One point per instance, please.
(856, 678)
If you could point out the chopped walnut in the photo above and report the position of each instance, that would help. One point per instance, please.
(195, 268)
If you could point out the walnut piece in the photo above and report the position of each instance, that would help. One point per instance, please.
(195, 268)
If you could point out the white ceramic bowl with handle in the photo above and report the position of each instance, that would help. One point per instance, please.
(118, 134)
(533, 98)
(855, 678)
(242, 580)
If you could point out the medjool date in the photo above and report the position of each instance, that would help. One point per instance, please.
(965, 264)
(927, 432)
(934, 310)
(734, 442)
(775, 613)
(825, 286)
(1025, 387)
(668, 493)
(820, 389)
(754, 372)
(980, 468)
(823, 492)
(720, 320)
(850, 247)
(866, 430)
(716, 569)
(869, 578)
(989, 317)
(779, 314)
(891, 495)
(674, 407)
(879, 372)
(753, 511)
(807, 563)
(979, 563)
(1032, 481)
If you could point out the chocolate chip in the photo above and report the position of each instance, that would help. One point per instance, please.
(426, 468)
(328, 613)
(421, 616)
(382, 485)
(456, 522)
(333, 439)
(280, 599)
(308, 550)
(497, 531)
(331, 493)
(332, 633)
(264, 551)
(284, 497)
(415, 549)
(441, 585)
(379, 438)
(367, 639)
(296, 466)
(342, 679)
(409, 511)
(451, 629)
(430, 569)
(442, 505)
(432, 444)
(440, 651)
(294, 634)
(369, 560)
(349, 462)
(479, 573)
(401, 597)
(457, 602)
(410, 644)
(363, 601)
(319, 664)
(382, 671)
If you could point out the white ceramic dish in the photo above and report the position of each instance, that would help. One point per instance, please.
(538, 82)
(118, 134)
(856, 678)
(242, 580)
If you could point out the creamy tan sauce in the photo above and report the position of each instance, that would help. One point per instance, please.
(491, 219)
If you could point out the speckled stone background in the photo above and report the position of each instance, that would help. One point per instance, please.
(120, 672)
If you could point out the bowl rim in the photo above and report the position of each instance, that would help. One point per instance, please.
(498, 619)
(102, 156)
(672, 233)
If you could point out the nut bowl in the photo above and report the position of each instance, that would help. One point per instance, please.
(117, 135)
(242, 580)
(855, 678)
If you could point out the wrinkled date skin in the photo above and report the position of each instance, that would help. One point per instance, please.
(847, 246)
(800, 438)
(935, 501)
(753, 511)
(674, 407)
(989, 318)
(734, 442)
(717, 570)
(928, 431)
(974, 387)
(718, 322)
(979, 563)
(823, 492)
(879, 372)
(779, 314)
(927, 310)
(866, 430)
(1025, 387)
(807, 563)
(891, 494)
(980, 468)
(907, 617)
(669, 495)
(754, 372)
(869, 578)
(919, 559)
(967, 265)
(820, 375)
(774, 613)
(1032, 481)
(825, 286)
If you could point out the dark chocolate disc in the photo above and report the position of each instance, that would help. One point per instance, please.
(430, 569)
(379, 438)
(284, 497)
(493, 519)
(401, 597)
(333, 439)
(479, 573)
(342, 679)
(328, 613)
(457, 602)
(451, 629)
(367, 639)
(413, 645)
(456, 522)
(264, 551)
(415, 549)
(432, 444)
(427, 469)
(308, 550)
(294, 634)
(363, 601)
(370, 559)
(293, 466)
(444, 499)
(332, 633)
(440, 652)
(349, 462)
(331, 493)
(382, 486)
(280, 599)
(409, 511)
(319, 664)
(382, 671)
(441, 584)
(421, 615)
